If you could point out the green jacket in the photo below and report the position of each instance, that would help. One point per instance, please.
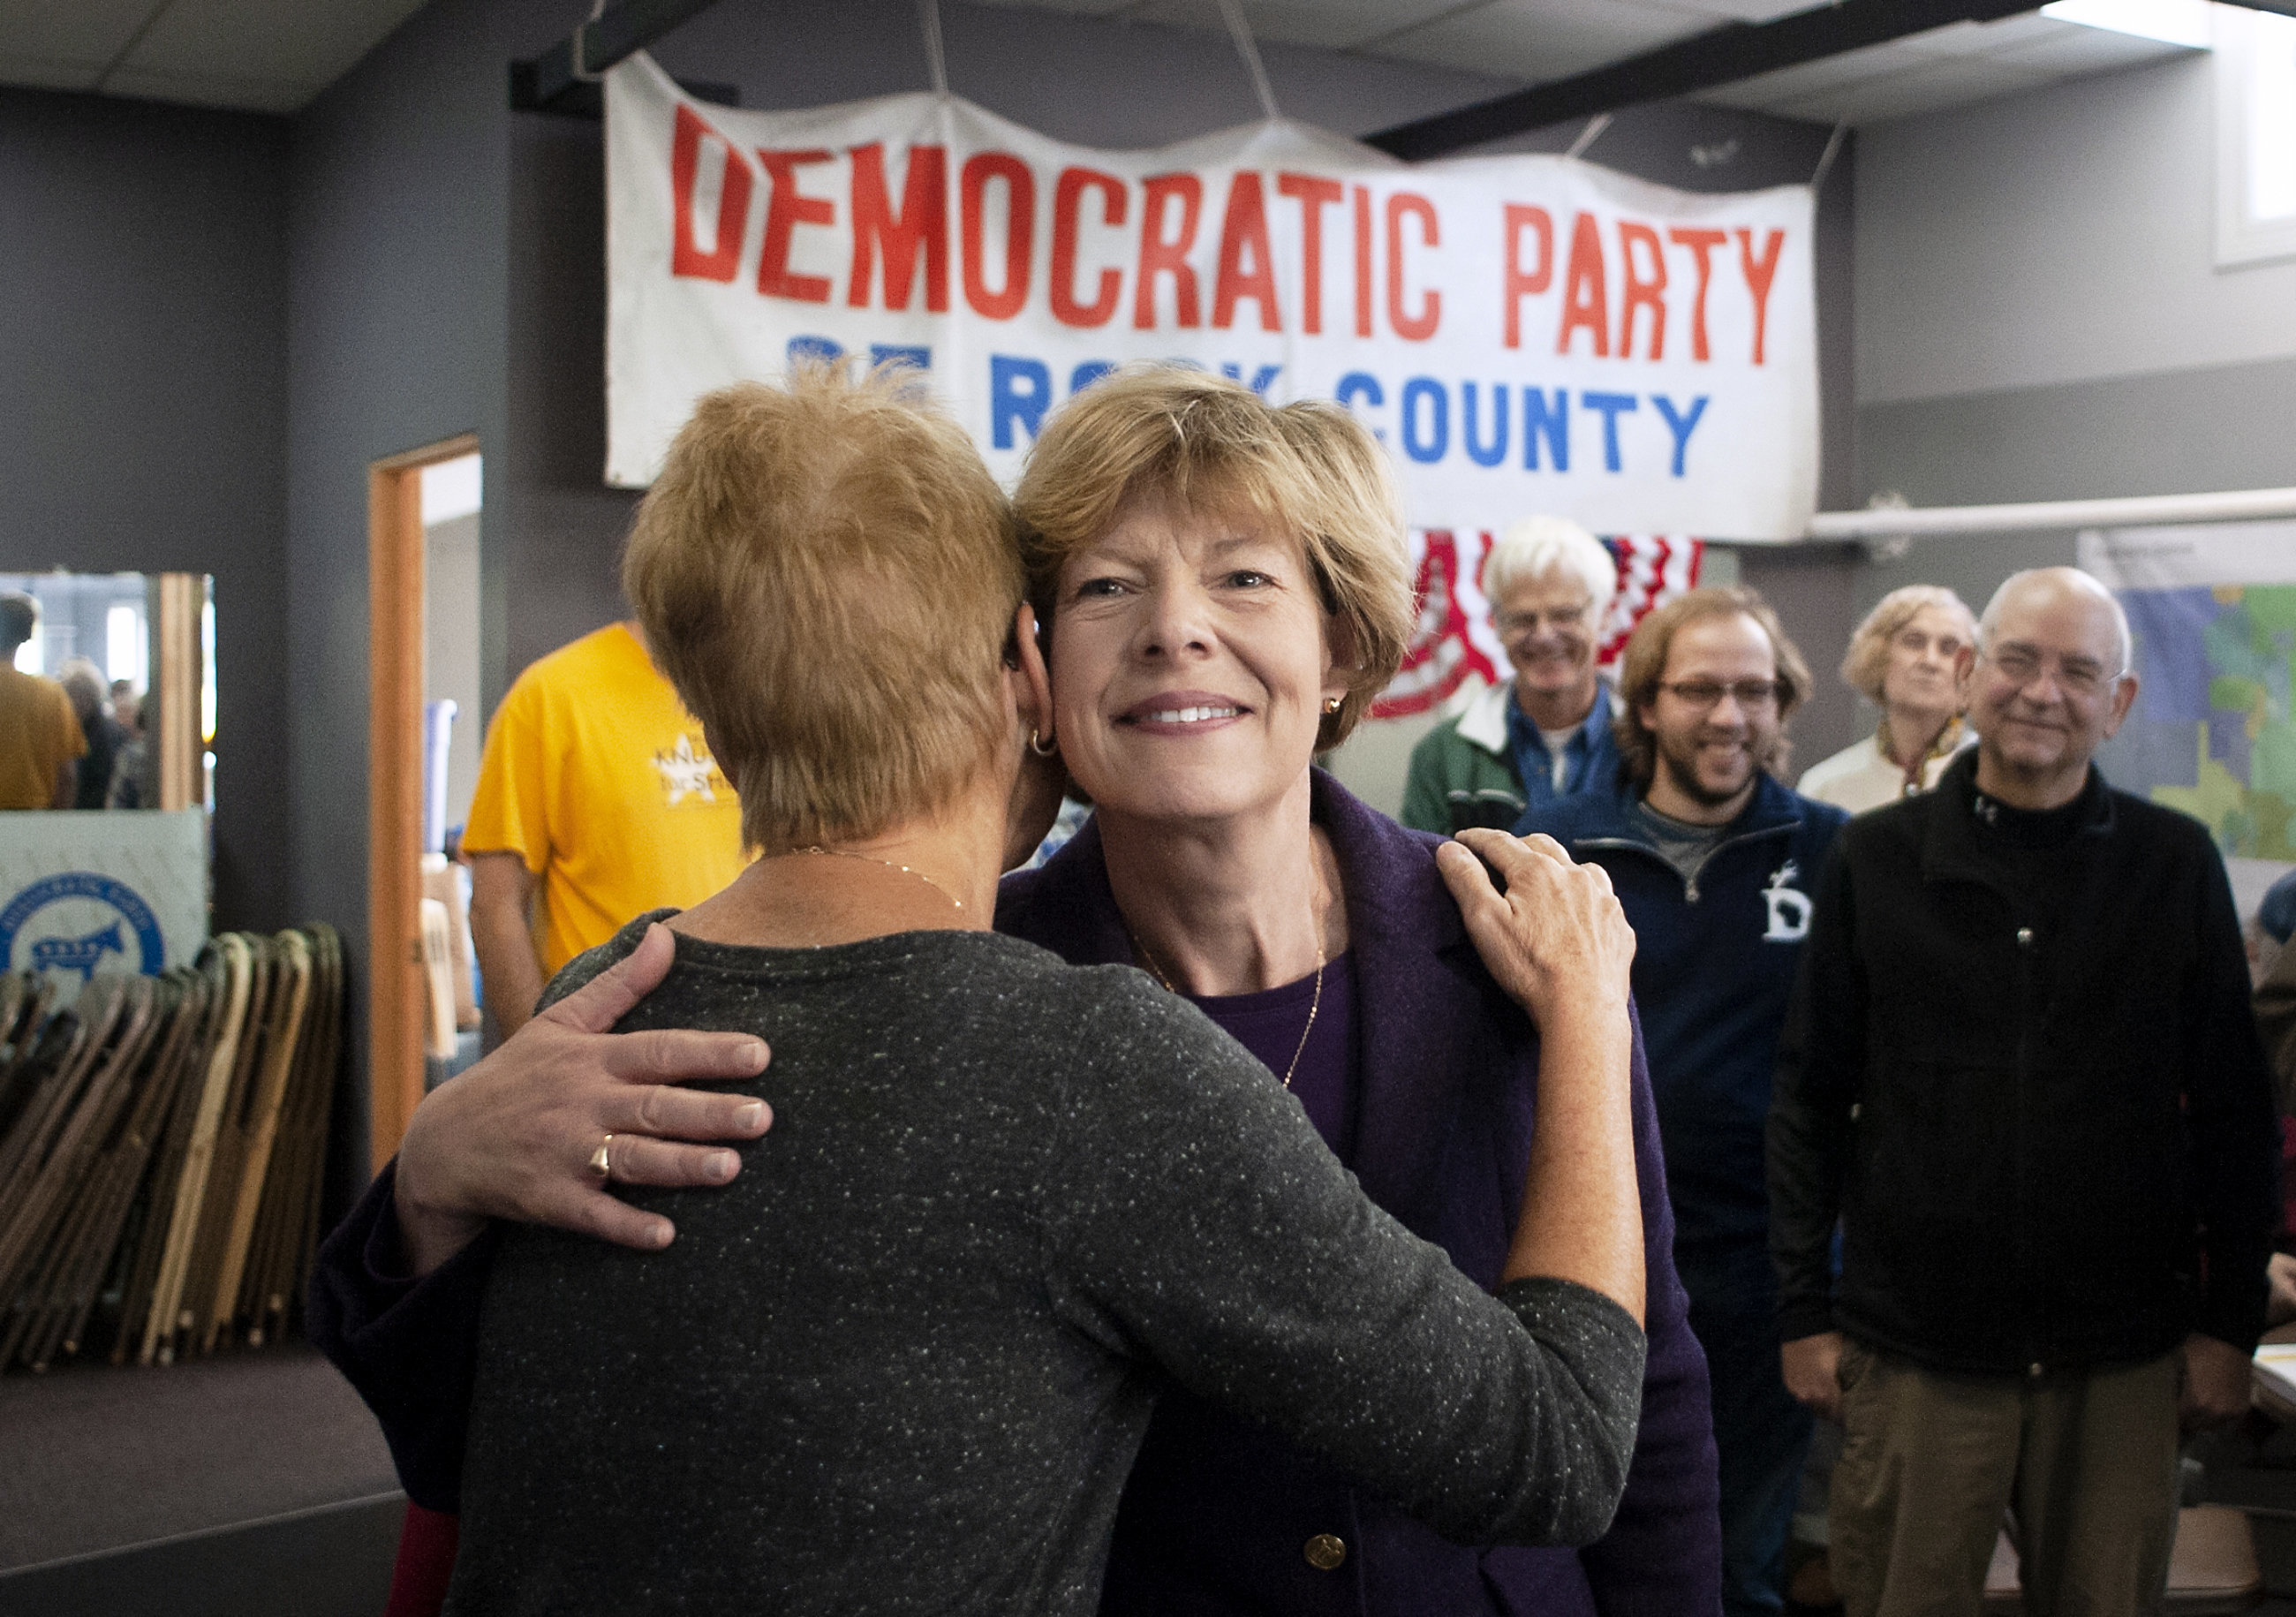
(1464, 772)
(1461, 774)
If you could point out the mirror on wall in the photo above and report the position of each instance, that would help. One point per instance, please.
(136, 653)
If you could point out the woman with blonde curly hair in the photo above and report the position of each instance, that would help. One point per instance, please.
(1909, 658)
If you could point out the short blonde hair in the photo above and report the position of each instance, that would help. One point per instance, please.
(1644, 665)
(1170, 432)
(1533, 546)
(1867, 663)
(828, 573)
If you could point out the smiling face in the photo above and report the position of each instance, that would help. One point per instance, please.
(1708, 754)
(2048, 689)
(1191, 662)
(1927, 660)
(1547, 626)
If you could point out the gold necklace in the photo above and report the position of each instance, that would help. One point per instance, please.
(847, 853)
(1314, 1002)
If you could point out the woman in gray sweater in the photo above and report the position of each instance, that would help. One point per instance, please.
(903, 1361)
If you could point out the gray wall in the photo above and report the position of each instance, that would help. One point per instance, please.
(2040, 317)
(144, 382)
(397, 278)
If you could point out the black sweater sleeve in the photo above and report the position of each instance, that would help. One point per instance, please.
(409, 1346)
(1820, 1071)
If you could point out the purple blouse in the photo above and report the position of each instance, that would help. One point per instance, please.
(1269, 1024)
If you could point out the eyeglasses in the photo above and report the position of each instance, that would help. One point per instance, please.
(1703, 694)
(2078, 676)
(1512, 624)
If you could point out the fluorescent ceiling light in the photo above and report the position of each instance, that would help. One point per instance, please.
(2184, 22)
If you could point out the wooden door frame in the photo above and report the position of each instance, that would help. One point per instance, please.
(394, 882)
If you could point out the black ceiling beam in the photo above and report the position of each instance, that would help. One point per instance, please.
(550, 82)
(1703, 61)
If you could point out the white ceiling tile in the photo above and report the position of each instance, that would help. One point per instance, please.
(1340, 25)
(2076, 51)
(1811, 79)
(267, 42)
(1203, 16)
(1919, 89)
(71, 30)
(1753, 11)
(32, 73)
(1075, 8)
(1964, 39)
(212, 90)
(1542, 39)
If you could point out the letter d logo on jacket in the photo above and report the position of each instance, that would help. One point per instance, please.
(1789, 907)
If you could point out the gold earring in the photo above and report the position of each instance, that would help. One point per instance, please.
(1041, 747)
(1332, 704)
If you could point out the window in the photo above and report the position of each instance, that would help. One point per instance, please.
(126, 644)
(2256, 137)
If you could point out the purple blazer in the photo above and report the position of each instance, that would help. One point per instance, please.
(1218, 1510)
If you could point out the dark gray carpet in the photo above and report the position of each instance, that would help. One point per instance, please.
(93, 1458)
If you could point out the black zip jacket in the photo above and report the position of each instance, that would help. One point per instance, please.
(2026, 1080)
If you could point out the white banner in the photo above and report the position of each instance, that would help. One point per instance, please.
(1525, 334)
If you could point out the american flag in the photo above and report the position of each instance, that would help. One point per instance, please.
(1455, 635)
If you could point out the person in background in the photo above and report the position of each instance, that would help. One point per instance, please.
(2021, 1076)
(1713, 859)
(128, 782)
(40, 737)
(597, 801)
(1908, 657)
(83, 683)
(2275, 989)
(1546, 733)
(2274, 1005)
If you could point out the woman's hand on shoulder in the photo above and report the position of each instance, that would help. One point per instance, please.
(514, 1136)
(1557, 939)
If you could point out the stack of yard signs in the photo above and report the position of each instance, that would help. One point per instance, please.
(162, 1147)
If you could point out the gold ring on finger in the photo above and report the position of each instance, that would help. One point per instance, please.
(601, 1162)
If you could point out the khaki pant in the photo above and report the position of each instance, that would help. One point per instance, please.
(1932, 1461)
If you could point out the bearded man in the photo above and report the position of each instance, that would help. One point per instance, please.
(1714, 860)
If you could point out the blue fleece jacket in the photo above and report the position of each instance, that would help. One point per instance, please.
(1714, 961)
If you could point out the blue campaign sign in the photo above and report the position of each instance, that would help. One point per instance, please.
(70, 922)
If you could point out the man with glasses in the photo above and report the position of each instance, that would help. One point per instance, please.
(1714, 860)
(1545, 733)
(2021, 1073)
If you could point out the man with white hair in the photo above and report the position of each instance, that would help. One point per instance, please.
(2021, 1073)
(1546, 733)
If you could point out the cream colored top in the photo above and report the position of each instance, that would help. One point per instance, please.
(1861, 776)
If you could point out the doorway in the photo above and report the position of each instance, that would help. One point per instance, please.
(398, 990)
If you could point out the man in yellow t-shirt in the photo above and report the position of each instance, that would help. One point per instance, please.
(39, 733)
(597, 784)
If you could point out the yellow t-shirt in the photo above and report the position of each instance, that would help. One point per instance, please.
(596, 776)
(38, 731)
